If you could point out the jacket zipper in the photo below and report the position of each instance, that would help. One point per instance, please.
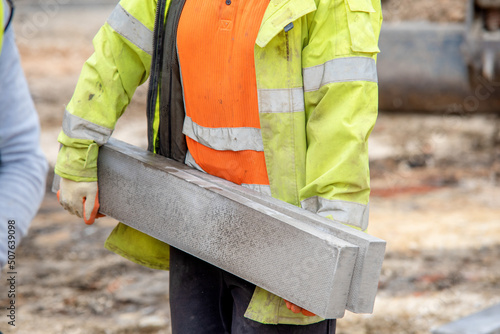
(155, 71)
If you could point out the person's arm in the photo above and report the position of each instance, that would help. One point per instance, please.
(23, 168)
(109, 78)
(341, 99)
(121, 62)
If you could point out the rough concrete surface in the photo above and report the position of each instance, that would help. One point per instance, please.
(435, 199)
(245, 237)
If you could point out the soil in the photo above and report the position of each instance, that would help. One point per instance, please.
(435, 199)
(425, 10)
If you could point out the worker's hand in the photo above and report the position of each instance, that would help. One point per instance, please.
(297, 309)
(80, 198)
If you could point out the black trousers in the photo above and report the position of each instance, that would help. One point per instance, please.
(207, 300)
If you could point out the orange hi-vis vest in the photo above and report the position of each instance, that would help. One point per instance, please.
(215, 42)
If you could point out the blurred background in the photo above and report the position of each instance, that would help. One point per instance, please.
(435, 168)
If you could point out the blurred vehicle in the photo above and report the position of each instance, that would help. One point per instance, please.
(443, 67)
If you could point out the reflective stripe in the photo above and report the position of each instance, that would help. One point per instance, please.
(345, 212)
(340, 70)
(261, 188)
(224, 139)
(131, 28)
(79, 128)
(281, 100)
(189, 161)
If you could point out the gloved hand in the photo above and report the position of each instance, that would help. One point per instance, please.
(80, 198)
(296, 309)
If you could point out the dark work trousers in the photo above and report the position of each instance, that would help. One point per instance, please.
(207, 300)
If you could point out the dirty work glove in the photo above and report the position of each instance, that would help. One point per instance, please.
(80, 198)
(297, 309)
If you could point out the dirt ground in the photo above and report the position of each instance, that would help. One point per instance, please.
(425, 10)
(435, 199)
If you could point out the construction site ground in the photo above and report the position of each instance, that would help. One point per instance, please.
(435, 199)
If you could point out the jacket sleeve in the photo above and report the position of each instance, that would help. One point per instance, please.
(23, 168)
(1, 28)
(121, 62)
(341, 101)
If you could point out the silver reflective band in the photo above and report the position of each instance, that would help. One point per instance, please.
(261, 188)
(281, 100)
(224, 139)
(340, 70)
(131, 28)
(350, 213)
(189, 161)
(79, 128)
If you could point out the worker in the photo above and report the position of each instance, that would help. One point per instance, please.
(278, 96)
(23, 168)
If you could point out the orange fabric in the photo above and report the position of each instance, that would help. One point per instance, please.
(238, 167)
(216, 53)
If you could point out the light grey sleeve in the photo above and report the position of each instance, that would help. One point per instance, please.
(23, 167)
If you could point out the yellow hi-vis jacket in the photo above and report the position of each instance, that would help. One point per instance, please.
(317, 96)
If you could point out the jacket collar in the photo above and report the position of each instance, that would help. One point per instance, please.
(278, 14)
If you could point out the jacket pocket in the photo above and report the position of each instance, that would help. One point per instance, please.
(361, 30)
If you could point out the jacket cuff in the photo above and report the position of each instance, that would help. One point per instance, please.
(348, 213)
(77, 159)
